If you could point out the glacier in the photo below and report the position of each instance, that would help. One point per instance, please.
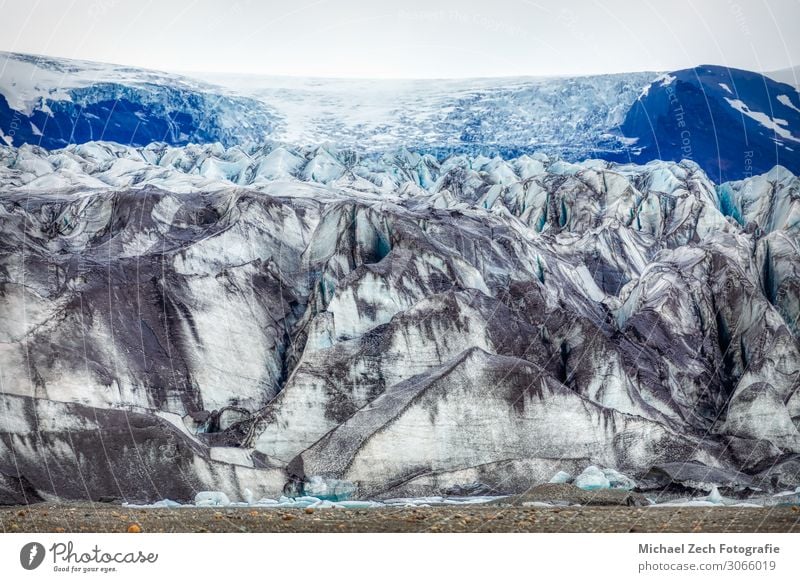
(299, 292)
(276, 320)
(735, 124)
(54, 102)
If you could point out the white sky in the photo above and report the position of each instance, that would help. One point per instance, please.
(410, 38)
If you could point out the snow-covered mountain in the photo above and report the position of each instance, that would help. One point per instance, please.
(190, 318)
(54, 102)
(733, 123)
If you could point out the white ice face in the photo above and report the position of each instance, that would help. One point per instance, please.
(405, 324)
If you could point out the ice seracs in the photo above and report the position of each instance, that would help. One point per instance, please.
(312, 322)
(211, 498)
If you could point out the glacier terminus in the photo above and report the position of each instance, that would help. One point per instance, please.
(459, 289)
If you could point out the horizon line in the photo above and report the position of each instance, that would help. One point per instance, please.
(198, 73)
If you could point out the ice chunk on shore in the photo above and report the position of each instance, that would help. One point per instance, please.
(436, 500)
(715, 499)
(329, 489)
(211, 498)
(296, 502)
(714, 496)
(783, 498)
(359, 504)
(561, 477)
(592, 478)
(596, 478)
(220, 499)
(169, 503)
(618, 480)
(325, 504)
(414, 500)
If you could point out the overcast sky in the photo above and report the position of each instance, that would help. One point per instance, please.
(410, 38)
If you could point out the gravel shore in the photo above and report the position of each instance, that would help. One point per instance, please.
(47, 517)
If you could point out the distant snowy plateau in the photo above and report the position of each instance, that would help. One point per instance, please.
(394, 289)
